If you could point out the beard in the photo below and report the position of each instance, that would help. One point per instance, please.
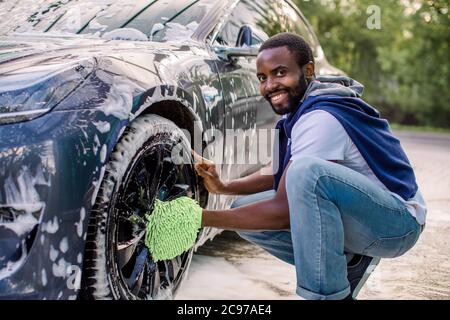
(295, 95)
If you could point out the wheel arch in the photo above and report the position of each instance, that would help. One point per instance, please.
(180, 111)
(177, 112)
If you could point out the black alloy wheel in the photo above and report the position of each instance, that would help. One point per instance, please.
(118, 263)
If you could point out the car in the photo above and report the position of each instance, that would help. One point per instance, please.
(94, 98)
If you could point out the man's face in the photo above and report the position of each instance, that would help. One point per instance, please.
(282, 81)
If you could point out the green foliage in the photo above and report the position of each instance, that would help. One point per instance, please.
(403, 65)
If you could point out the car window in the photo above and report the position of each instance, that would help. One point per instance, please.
(69, 16)
(157, 20)
(264, 16)
(167, 20)
(89, 17)
(267, 18)
(296, 24)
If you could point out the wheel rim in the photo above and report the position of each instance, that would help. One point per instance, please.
(152, 176)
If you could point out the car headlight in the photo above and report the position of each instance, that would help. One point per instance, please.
(30, 92)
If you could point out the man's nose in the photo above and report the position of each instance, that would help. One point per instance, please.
(271, 84)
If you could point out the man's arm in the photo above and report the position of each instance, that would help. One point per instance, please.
(256, 182)
(272, 214)
(253, 183)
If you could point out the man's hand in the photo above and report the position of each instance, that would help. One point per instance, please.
(207, 170)
(270, 214)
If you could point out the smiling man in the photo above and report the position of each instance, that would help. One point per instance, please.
(345, 193)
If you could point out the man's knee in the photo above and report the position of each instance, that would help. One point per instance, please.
(305, 165)
(303, 170)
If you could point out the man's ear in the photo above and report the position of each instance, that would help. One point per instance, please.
(309, 70)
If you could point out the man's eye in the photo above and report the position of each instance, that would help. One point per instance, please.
(281, 73)
(261, 78)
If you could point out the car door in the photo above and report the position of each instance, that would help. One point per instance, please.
(246, 111)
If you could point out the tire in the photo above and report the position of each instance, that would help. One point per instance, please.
(117, 263)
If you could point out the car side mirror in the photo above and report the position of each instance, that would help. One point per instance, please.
(245, 36)
(232, 53)
(243, 48)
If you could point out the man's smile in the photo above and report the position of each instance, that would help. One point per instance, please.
(278, 96)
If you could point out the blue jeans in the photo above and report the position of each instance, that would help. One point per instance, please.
(333, 210)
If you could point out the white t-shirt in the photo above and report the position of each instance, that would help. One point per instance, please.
(320, 134)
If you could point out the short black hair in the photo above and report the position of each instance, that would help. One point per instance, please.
(295, 43)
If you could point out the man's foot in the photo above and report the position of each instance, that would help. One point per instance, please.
(359, 270)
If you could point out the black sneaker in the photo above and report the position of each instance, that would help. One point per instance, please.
(359, 270)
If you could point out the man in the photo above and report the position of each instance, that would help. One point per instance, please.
(345, 191)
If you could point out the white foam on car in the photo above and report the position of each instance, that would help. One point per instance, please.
(176, 31)
(119, 100)
(52, 226)
(156, 27)
(97, 184)
(22, 224)
(125, 34)
(95, 25)
(21, 195)
(61, 269)
(44, 277)
(64, 245)
(96, 144)
(13, 266)
(74, 10)
(79, 224)
(103, 153)
(102, 126)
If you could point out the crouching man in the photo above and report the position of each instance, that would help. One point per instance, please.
(345, 194)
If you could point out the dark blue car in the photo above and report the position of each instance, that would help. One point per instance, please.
(94, 97)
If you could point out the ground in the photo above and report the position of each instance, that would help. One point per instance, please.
(231, 268)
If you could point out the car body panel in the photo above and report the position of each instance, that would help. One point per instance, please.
(79, 135)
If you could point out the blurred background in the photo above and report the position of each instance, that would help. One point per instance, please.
(404, 65)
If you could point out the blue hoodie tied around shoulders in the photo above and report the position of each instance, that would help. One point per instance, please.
(340, 96)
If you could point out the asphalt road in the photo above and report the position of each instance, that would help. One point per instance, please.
(231, 268)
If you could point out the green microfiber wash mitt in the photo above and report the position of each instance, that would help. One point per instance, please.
(172, 227)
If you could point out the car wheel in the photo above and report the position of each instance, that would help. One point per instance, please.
(117, 263)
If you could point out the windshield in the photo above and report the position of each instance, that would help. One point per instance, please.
(158, 20)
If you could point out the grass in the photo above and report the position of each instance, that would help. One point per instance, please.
(397, 126)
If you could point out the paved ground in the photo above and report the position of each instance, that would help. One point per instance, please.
(230, 268)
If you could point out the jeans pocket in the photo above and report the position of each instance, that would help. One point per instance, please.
(391, 247)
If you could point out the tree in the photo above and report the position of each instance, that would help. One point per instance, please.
(403, 65)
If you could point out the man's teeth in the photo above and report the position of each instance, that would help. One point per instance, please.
(277, 97)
